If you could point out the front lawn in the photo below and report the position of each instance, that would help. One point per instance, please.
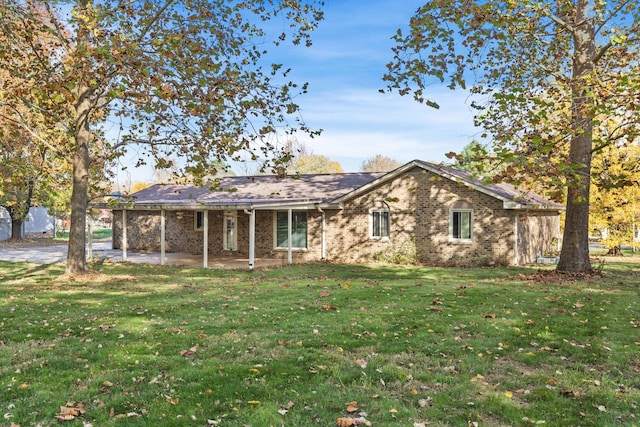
(319, 345)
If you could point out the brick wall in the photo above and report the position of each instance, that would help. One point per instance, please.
(419, 203)
(538, 233)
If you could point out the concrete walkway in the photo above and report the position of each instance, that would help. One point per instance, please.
(102, 250)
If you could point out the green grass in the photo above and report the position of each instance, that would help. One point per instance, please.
(96, 234)
(293, 346)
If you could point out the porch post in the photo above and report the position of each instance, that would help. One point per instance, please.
(89, 238)
(205, 231)
(289, 249)
(124, 234)
(252, 239)
(516, 246)
(324, 236)
(163, 232)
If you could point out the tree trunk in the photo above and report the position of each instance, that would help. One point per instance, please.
(18, 213)
(574, 256)
(76, 255)
(16, 227)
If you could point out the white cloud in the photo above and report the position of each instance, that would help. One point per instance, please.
(359, 124)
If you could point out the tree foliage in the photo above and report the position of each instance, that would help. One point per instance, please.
(179, 78)
(615, 207)
(545, 75)
(315, 163)
(379, 163)
(31, 172)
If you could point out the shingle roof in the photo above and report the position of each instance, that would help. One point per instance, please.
(512, 197)
(256, 190)
(268, 191)
(503, 191)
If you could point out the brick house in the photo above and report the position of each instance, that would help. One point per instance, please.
(420, 212)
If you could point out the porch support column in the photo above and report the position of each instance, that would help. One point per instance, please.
(124, 234)
(205, 238)
(163, 232)
(324, 236)
(289, 233)
(89, 238)
(252, 238)
(516, 248)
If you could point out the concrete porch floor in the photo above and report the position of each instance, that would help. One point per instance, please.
(196, 260)
(51, 254)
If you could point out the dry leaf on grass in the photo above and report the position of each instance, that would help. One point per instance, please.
(190, 352)
(70, 411)
(348, 422)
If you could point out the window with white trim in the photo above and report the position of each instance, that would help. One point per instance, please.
(461, 225)
(379, 220)
(298, 230)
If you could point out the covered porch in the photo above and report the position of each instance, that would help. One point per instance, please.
(103, 250)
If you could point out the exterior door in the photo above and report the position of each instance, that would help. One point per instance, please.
(229, 232)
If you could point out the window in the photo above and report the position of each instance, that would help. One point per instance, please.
(379, 224)
(298, 230)
(461, 225)
(198, 220)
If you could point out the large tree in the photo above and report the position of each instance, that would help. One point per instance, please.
(30, 173)
(21, 167)
(178, 78)
(544, 75)
(379, 163)
(314, 163)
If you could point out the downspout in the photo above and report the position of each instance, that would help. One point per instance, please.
(252, 237)
(324, 235)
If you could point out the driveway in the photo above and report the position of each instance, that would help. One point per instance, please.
(51, 254)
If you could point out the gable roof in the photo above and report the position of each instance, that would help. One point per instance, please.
(263, 191)
(511, 197)
(311, 191)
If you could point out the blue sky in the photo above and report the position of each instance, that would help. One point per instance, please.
(344, 69)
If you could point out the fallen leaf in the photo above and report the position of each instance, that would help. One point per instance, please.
(348, 422)
(352, 407)
(345, 422)
(65, 417)
(602, 408)
(569, 393)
